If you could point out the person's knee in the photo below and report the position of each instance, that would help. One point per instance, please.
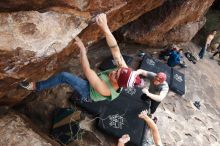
(64, 76)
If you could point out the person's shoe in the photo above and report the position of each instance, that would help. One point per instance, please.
(211, 57)
(141, 53)
(155, 120)
(27, 85)
(197, 104)
(183, 65)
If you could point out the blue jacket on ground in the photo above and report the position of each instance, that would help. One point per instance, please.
(174, 58)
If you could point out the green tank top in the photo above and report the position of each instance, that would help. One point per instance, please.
(95, 96)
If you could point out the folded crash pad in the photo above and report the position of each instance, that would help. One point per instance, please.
(177, 82)
(121, 116)
(109, 62)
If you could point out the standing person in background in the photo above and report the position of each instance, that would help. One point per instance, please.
(207, 44)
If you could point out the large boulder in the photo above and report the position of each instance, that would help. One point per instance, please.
(15, 130)
(173, 22)
(35, 44)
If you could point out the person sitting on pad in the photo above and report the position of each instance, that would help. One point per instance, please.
(96, 87)
(176, 58)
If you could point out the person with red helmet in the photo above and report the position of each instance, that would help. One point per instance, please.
(157, 90)
(102, 86)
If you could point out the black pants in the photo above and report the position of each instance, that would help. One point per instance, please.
(217, 52)
(152, 104)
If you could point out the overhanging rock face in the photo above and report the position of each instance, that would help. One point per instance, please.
(43, 34)
(35, 43)
(173, 22)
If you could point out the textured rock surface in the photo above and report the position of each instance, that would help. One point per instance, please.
(164, 25)
(27, 40)
(15, 131)
(28, 35)
(40, 34)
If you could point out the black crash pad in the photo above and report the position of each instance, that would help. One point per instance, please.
(150, 64)
(175, 79)
(109, 63)
(121, 116)
(178, 82)
(94, 108)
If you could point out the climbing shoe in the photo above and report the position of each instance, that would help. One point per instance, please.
(27, 85)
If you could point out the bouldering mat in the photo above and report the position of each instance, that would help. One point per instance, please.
(121, 116)
(175, 79)
(177, 82)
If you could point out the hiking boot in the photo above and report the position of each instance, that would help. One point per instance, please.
(27, 85)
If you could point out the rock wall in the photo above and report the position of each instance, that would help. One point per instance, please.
(36, 44)
(15, 131)
(174, 22)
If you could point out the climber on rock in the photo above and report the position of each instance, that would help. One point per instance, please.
(96, 87)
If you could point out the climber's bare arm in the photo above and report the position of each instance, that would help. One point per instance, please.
(101, 20)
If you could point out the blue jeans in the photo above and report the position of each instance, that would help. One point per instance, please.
(80, 85)
(202, 52)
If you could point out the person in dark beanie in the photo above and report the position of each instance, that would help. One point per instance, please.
(106, 85)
